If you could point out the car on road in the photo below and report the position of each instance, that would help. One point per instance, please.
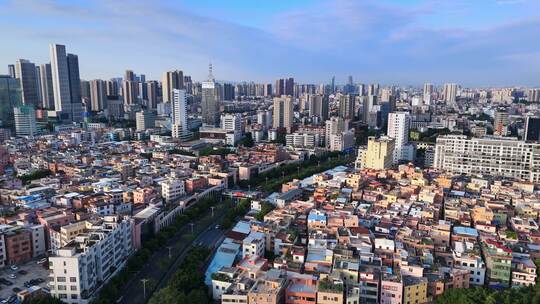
(14, 267)
(42, 261)
(12, 276)
(217, 226)
(22, 272)
(5, 282)
(16, 289)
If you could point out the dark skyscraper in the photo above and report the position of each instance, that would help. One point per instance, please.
(279, 87)
(289, 86)
(10, 96)
(152, 94)
(47, 93)
(25, 72)
(228, 91)
(284, 86)
(171, 80)
(532, 128)
(74, 78)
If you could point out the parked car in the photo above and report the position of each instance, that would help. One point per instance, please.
(14, 267)
(12, 276)
(23, 272)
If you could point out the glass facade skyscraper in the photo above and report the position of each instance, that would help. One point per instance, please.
(10, 96)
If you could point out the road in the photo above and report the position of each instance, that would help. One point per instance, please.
(209, 238)
(160, 268)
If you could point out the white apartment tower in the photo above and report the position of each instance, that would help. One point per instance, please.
(283, 113)
(428, 91)
(450, 92)
(179, 115)
(398, 129)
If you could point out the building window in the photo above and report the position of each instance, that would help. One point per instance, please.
(73, 279)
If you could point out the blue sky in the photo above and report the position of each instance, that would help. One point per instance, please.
(472, 42)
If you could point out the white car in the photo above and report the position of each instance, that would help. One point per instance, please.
(14, 267)
(44, 260)
(12, 276)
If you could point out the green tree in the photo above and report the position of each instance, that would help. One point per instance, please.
(43, 299)
(247, 141)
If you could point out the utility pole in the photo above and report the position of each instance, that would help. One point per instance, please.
(144, 287)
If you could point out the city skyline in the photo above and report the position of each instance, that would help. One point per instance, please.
(390, 42)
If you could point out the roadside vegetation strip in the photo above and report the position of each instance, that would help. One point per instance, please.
(187, 284)
(306, 170)
(116, 285)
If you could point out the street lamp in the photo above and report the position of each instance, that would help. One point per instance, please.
(212, 208)
(144, 287)
(191, 224)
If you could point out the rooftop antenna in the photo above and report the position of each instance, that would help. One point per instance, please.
(210, 76)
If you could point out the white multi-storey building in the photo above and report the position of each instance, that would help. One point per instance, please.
(231, 122)
(25, 120)
(144, 120)
(507, 157)
(398, 129)
(82, 265)
(464, 258)
(179, 115)
(302, 140)
(343, 141)
(39, 246)
(253, 245)
(172, 189)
